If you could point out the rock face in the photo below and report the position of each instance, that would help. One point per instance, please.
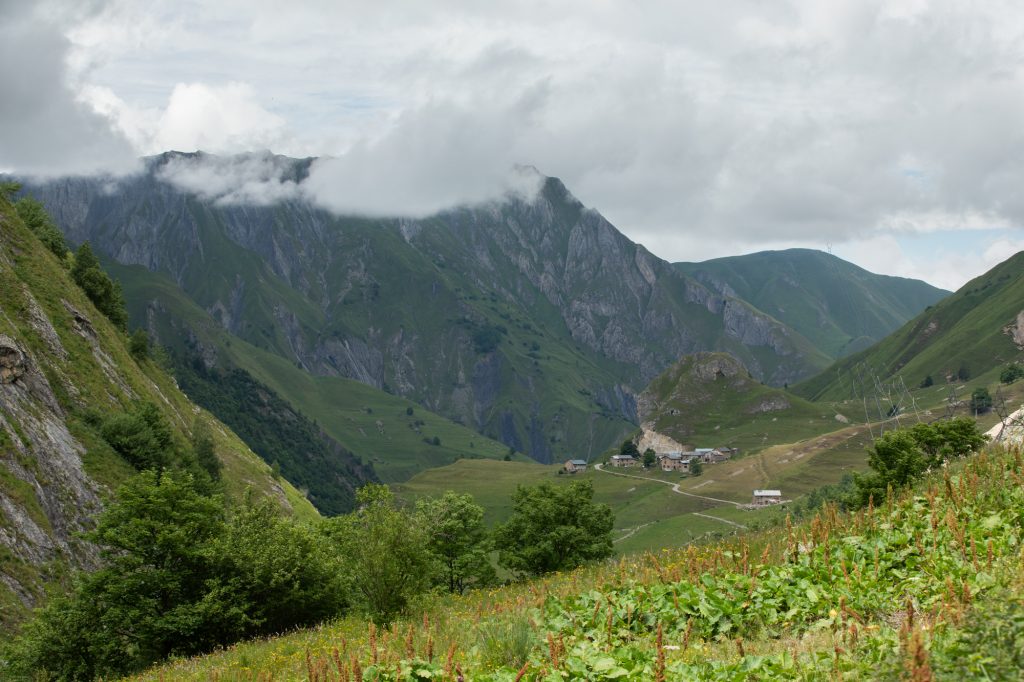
(477, 313)
(59, 360)
(659, 442)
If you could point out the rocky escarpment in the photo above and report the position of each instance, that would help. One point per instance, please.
(63, 366)
(48, 498)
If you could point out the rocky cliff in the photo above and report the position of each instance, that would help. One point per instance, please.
(60, 359)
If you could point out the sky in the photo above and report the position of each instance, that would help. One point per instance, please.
(889, 132)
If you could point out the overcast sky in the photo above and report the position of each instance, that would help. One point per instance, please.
(891, 132)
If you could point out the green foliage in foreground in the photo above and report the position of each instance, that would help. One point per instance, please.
(554, 528)
(899, 458)
(926, 587)
(179, 578)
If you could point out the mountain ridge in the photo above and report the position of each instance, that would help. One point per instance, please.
(839, 306)
(531, 321)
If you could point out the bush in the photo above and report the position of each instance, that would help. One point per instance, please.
(899, 458)
(142, 436)
(1011, 373)
(104, 293)
(179, 579)
(138, 344)
(38, 220)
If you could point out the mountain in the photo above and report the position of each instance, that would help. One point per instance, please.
(970, 334)
(839, 307)
(66, 374)
(391, 437)
(530, 320)
(711, 400)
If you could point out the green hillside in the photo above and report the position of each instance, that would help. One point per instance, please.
(65, 373)
(710, 400)
(924, 586)
(967, 336)
(838, 306)
(388, 434)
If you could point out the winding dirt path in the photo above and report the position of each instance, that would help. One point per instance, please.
(676, 489)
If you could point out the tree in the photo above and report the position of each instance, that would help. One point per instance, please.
(981, 400)
(630, 449)
(458, 539)
(9, 188)
(385, 553)
(896, 460)
(150, 598)
(554, 528)
(203, 448)
(964, 373)
(104, 292)
(138, 344)
(1011, 373)
(650, 457)
(696, 468)
(901, 457)
(926, 382)
(274, 574)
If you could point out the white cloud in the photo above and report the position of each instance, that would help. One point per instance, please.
(256, 179)
(791, 121)
(44, 127)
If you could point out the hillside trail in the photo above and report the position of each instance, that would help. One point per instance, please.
(675, 489)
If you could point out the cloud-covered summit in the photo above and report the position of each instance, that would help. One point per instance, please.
(862, 125)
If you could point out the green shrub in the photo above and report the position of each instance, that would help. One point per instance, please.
(38, 220)
(104, 292)
(138, 344)
(1011, 373)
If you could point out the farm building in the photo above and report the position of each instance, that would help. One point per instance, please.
(623, 461)
(764, 498)
(676, 461)
(575, 466)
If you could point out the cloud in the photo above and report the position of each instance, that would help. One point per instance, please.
(44, 127)
(436, 158)
(790, 121)
(257, 179)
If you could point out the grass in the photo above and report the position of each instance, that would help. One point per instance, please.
(881, 594)
(834, 304)
(965, 330)
(729, 409)
(84, 373)
(371, 423)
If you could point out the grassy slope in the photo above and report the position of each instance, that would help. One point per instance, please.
(369, 422)
(728, 409)
(38, 271)
(781, 601)
(835, 304)
(965, 329)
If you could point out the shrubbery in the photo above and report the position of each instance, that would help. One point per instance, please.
(899, 458)
(179, 578)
